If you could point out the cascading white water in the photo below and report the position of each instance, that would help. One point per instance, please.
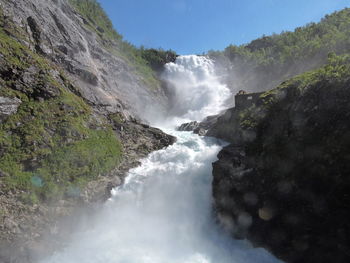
(163, 212)
(196, 89)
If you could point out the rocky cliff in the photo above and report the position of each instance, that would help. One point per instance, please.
(70, 103)
(92, 57)
(283, 182)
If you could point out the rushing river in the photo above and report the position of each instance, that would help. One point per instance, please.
(163, 212)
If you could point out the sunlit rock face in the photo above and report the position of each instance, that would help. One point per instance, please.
(285, 186)
(104, 77)
(62, 91)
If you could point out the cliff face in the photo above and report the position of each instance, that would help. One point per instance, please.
(95, 61)
(68, 131)
(283, 183)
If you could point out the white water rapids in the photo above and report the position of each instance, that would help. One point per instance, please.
(163, 212)
(196, 89)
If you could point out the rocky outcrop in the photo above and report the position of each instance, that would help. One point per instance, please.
(199, 128)
(190, 126)
(96, 63)
(69, 129)
(8, 106)
(283, 182)
(31, 232)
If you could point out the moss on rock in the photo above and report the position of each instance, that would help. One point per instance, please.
(54, 142)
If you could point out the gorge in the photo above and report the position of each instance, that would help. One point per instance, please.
(98, 161)
(163, 211)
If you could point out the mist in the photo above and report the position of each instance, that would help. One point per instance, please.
(240, 73)
(194, 88)
(163, 212)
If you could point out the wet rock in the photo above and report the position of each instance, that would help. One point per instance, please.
(194, 126)
(199, 128)
(287, 168)
(59, 24)
(87, 76)
(200, 131)
(56, 30)
(191, 126)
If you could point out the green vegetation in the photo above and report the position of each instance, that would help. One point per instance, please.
(157, 58)
(265, 62)
(296, 161)
(148, 62)
(96, 18)
(54, 144)
(303, 139)
(331, 79)
(335, 73)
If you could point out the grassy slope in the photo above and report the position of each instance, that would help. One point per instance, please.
(146, 61)
(265, 62)
(54, 143)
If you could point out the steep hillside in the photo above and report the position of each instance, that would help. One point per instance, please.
(267, 61)
(78, 36)
(67, 133)
(283, 183)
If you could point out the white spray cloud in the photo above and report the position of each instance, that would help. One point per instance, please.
(197, 90)
(162, 214)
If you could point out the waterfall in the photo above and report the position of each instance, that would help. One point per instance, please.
(195, 88)
(163, 212)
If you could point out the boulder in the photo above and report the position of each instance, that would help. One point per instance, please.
(190, 126)
(8, 106)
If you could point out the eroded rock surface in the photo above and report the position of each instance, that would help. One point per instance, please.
(69, 124)
(104, 77)
(8, 106)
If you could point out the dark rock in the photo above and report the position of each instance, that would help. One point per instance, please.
(100, 29)
(63, 49)
(200, 131)
(200, 128)
(283, 183)
(191, 126)
(87, 76)
(36, 32)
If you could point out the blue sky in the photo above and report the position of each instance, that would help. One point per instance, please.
(196, 26)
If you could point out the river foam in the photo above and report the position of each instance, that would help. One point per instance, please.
(195, 88)
(163, 214)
